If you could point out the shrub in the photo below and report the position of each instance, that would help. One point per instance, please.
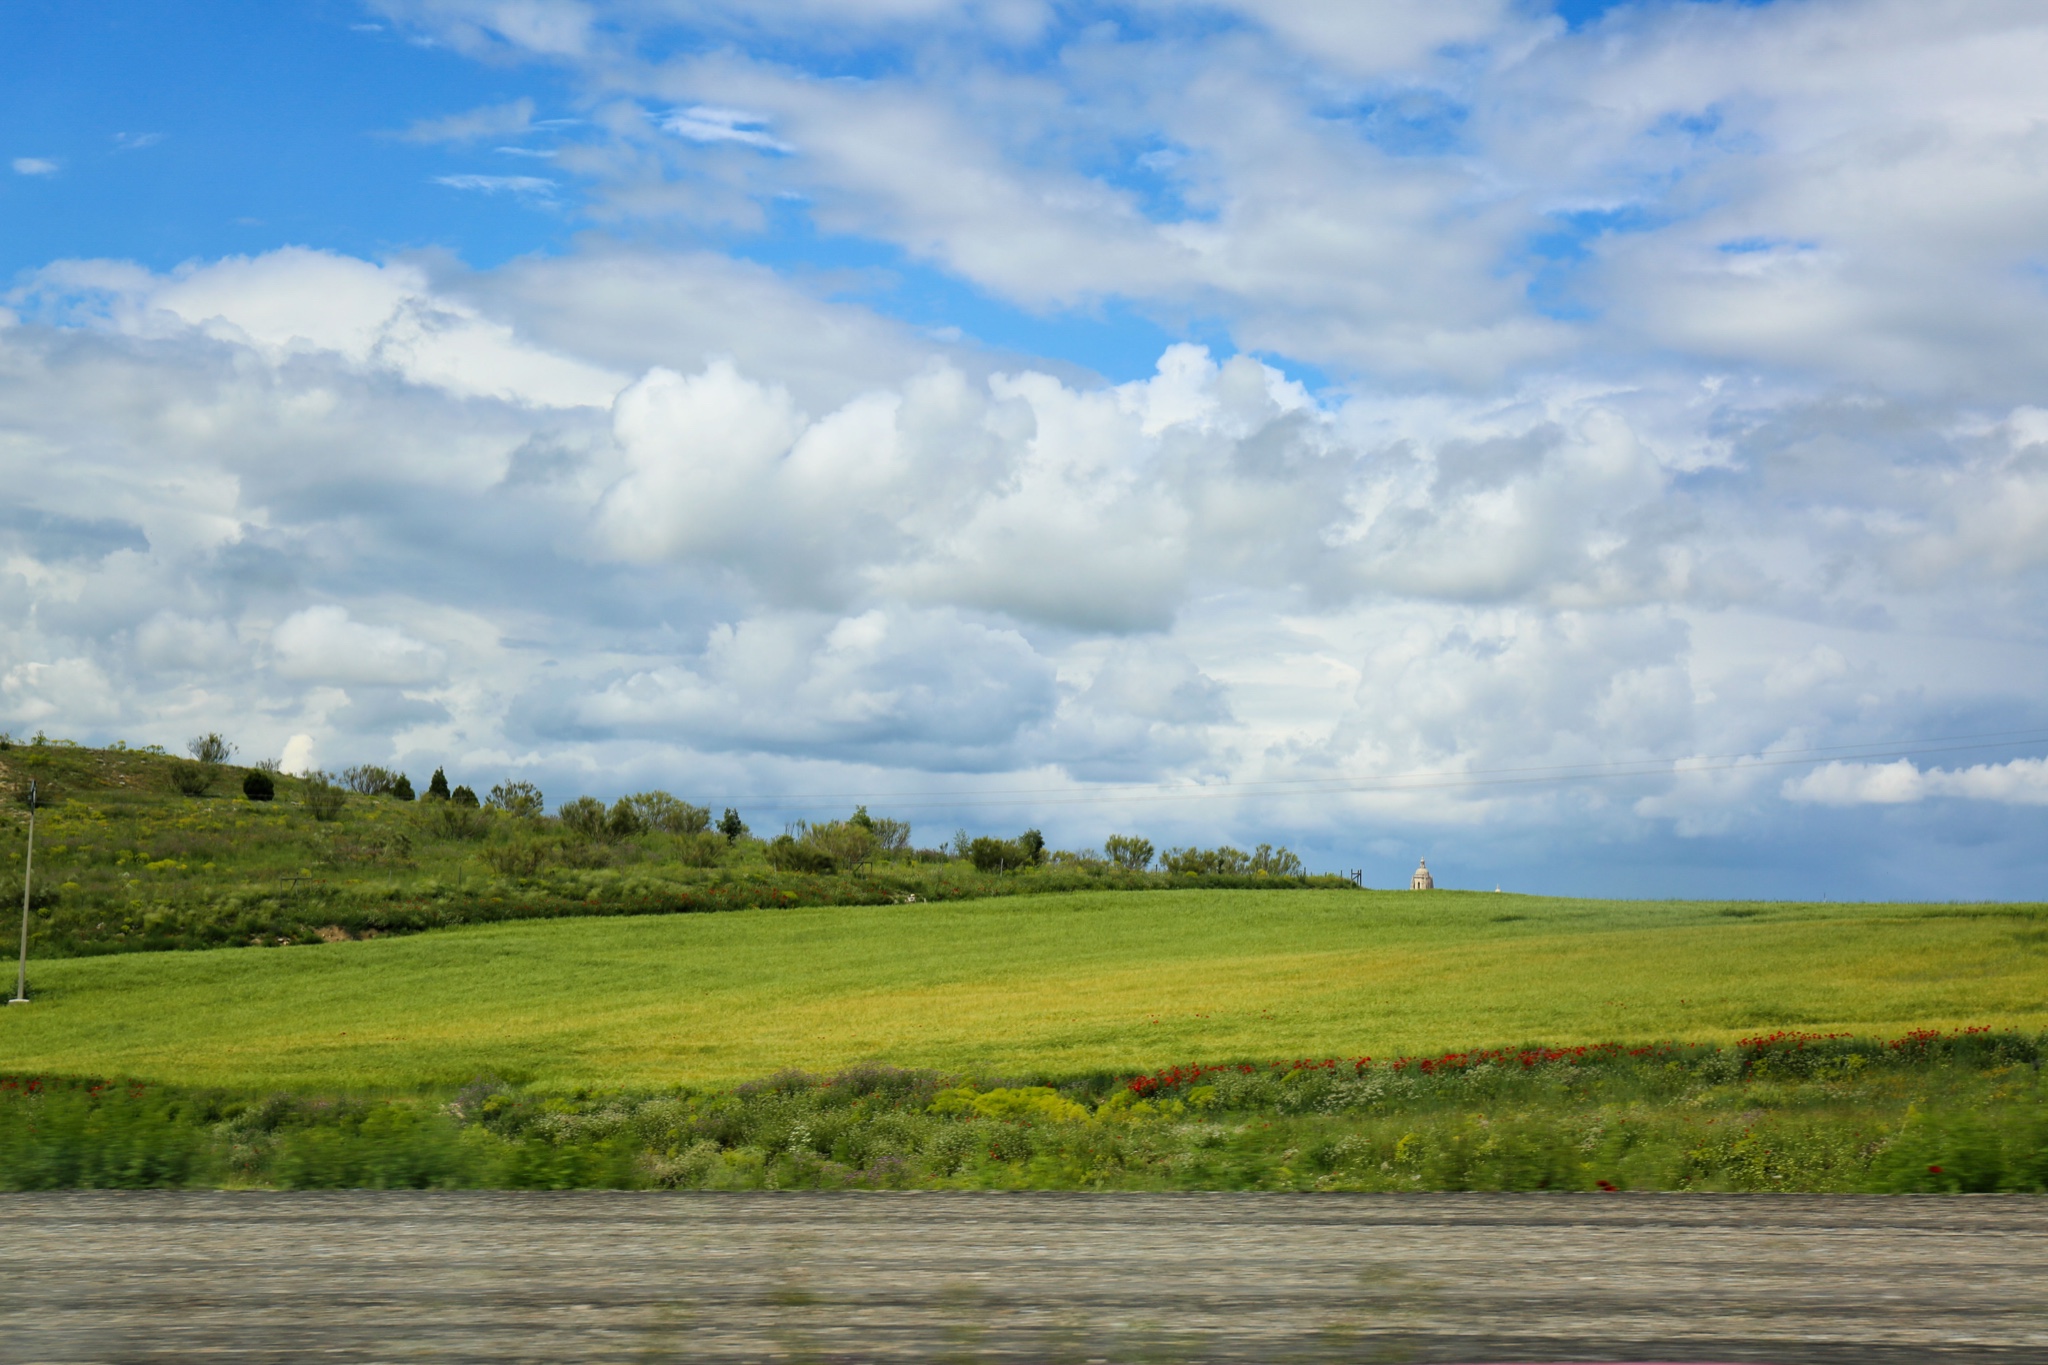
(846, 843)
(465, 798)
(659, 810)
(1128, 851)
(402, 789)
(514, 798)
(892, 837)
(624, 820)
(367, 779)
(437, 787)
(584, 816)
(703, 849)
(453, 820)
(259, 786)
(210, 748)
(1007, 855)
(192, 779)
(731, 826)
(786, 853)
(993, 855)
(322, 797)
(519, 857)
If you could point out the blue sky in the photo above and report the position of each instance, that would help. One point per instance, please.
(1065, 415)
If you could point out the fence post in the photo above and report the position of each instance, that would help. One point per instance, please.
(27, 870)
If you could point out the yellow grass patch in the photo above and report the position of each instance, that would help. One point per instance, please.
(1049, 984)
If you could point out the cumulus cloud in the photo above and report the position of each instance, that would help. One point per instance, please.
(1671, 411)
(323, 644)
(2022, 781)
(294, 301)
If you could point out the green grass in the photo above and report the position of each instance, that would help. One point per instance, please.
(1028, 985)
(124, 863)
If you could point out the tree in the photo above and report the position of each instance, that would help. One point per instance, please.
(891, 837)
(1223, 862)
(731, 826)
(584, 815)
(437, 789)
(1276, 862)
(464, 797)
(659, 810)
(845, 842)
(369, 779)
(624, 820)
(210, 749)
(515, 798)
(1128, 851)
(996, 855)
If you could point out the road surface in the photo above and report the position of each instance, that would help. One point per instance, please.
(577, 1277)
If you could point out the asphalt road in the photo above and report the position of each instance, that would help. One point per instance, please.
(1036, 1277)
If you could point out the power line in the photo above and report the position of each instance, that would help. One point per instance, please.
(1154, 792)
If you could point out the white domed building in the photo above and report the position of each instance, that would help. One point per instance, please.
(1422, 881)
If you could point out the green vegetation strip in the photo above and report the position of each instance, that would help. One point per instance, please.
(1922, 1112)
(128, 862)
(1055, 985)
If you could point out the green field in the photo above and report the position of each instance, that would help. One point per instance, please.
(1029, 985)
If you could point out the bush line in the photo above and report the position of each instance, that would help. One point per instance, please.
(1959, 1111)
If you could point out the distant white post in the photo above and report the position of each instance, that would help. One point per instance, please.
(28, 868)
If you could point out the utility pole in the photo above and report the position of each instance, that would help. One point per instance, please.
(27, 869)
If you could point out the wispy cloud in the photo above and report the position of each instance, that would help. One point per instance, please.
(706, 123)
(491, 120)
(135, 142)
(534, 185)
(34, 165)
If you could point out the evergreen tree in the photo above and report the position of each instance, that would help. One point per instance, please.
(437, 790)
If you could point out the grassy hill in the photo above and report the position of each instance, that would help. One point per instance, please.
(1001, 1030)
(127, 862)
(1056, 985)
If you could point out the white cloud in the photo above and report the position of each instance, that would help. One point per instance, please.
(538, 187)
(553, 28)
(34, 165)
(490, 120)
(73, 691)
(298, 756)
(2021, 781)
(1680, 412)
(294, 301)
(704, 123)
(322, 644)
